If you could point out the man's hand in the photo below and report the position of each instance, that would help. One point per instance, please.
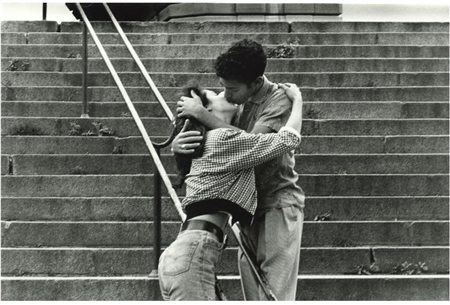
(186, 141)
(292, 92)
(190, 106)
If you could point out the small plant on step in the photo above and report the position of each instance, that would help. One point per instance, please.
(103, 130)
(202, 70)
(281, 51)
(75, 129)
(323, 217)
(73, 55)
(26, 130)
(294, 41)
(364, 270)
(312, 114)
(173, 81)
(89, 133)
(410, 269)
(117, 150)
(18, 65)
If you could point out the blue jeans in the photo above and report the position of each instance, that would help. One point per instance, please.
(187, 267)
(275, 239)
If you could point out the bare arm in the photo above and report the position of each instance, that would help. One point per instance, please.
(192, 107)
(294, 94)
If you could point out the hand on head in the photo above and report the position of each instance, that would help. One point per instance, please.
(186, 141)
(189, 106)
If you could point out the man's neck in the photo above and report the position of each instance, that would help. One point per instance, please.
(257, 91)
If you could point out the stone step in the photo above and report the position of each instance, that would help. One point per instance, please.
(28, 26)
(332, 27)
(310, 287)
(203, 65)
(237, 27)
(118, 164)
(135, 79)
(213, 50)
(142, 185)
(139, 261)
(101, 94)
(141, 208)
(407, 38)
(311, 110)
(140, 234)
(227, 27)
(427, 144)
(123, 127)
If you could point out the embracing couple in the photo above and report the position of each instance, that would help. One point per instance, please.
(235, 152)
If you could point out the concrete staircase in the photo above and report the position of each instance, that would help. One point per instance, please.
(77, 210)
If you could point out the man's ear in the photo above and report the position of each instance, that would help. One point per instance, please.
(257, 82)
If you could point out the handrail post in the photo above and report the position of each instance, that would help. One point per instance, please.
(84, 80)
(44, 11)
(156, 215)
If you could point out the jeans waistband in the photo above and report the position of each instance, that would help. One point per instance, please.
(197, 224)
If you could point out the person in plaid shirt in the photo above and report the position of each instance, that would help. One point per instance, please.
(220, 184)
(275, 233)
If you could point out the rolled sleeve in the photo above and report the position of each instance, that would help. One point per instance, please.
(291, 130)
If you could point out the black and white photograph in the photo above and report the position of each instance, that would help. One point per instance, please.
(225, 151)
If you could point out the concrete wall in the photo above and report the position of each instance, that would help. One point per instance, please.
(434, 11)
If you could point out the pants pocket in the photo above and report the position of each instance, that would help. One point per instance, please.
(177, 258)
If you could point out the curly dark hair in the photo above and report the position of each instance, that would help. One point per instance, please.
(184, 162)
(244, 61)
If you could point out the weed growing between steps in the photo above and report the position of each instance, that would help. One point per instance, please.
(203, 70)
(410, 269)
(172, 81)
(73, 55)
(99, 130)
(18, 65)
(311, 113)
(402, 269)
(25, 130)
(281, 51)
(75, 129)
(323, 217)
(364, 270)
(117, 150)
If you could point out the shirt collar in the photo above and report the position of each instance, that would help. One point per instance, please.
(260, 95)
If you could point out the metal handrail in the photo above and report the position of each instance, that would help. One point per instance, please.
(134, 114)
(140, 65)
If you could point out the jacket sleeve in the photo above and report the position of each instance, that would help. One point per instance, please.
(230, 150)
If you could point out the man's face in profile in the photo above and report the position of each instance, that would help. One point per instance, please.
(237, 92)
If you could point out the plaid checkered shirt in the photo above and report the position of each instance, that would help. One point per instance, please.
(226, 169)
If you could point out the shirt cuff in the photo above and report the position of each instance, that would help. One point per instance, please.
(291, 130)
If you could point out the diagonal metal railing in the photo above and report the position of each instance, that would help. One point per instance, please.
(134, 114)
(153, 148)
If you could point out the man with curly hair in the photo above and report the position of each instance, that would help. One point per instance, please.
(274, 236)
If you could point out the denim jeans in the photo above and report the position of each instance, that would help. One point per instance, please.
(275, 238)
(187, 267)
